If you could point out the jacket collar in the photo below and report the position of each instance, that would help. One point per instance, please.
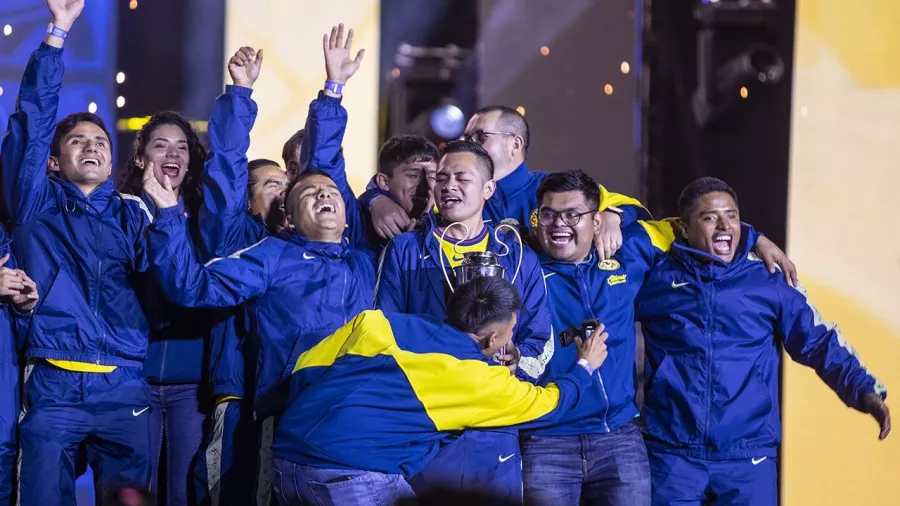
(102, 193)
(702, 263)
(516, 180)
(325, 249)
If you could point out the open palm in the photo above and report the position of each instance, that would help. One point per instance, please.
(338, 65)
(65, 12)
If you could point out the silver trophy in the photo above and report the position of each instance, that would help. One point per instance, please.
(481, 263)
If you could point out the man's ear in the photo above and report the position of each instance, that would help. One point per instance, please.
(597, 221)
(53, 164)
(489, 188)
(381, 179)
(489, 341)
(684, 230)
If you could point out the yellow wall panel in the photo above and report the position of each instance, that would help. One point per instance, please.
(844, 236)
(290, 32)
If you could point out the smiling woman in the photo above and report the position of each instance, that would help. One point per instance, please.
(172, 145)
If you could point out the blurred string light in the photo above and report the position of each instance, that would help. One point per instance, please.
(521, 110)
(625, 67)
(120, 77)
(92, 108)
(7, 29)
(120, 102)
(395, 73)
(136, 123)
(133, 4)
(545, 50)
(608, 89)
(744, 92)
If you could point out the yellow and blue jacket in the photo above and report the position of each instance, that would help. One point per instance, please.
(606, 290)
(382, 392)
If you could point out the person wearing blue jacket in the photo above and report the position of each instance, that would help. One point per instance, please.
(413, 278)
(582, 287)
(178, 348)
(18, 296)
(503, 132)
(713, 319)
(413, 380)
(82, 243)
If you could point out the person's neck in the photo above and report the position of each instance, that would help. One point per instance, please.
(502, 172)
(473, 226)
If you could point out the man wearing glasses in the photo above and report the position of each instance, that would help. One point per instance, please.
(602, 459)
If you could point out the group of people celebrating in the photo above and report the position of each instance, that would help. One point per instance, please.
(246, 333)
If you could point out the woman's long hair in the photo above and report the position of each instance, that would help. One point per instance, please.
(130, 178)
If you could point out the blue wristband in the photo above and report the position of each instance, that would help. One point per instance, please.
(334, 87)
(55, 31)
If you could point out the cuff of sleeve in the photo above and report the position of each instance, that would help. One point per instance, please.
(581, 375)
(325, 98)
(48, 49)
(15, 311)
(173, 213)
(238, 90)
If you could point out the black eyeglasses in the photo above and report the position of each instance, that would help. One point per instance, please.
(547, 217)
(479, 136)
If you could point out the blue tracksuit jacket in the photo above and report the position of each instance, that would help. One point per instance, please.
(411, 380)
(9, 387)
(297, 291)
(84, 253)
(226, 226)
(604, 290)
(410, 280)
(712, 332)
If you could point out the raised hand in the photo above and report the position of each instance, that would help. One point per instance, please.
(876, 407)
(244, 66)
(10, 281)
(162, 194)
(65, 12)
(338, 65)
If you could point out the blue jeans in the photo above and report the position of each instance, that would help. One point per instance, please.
(694, 482)
(600, 469)
(297, 485)
(176, 419)
(225, 472)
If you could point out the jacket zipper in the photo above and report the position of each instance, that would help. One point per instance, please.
(585, 299)
(709, 354)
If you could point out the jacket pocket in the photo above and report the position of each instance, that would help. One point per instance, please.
(743, 404)
(676, 406)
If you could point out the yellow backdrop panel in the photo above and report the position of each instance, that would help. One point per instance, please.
(290, 32)
(844, 235)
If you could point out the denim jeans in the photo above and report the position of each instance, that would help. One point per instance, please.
(176, 419)
(297, 485)
(600, 469)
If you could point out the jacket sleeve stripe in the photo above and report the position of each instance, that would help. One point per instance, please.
(236, 254)
(141, 203)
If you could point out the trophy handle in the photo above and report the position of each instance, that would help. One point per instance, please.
(455, 250)
(506, 247)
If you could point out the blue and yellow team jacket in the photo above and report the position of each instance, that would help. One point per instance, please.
(411, 280)
(382, 392)
(712, 332)
(297, 291)
(9, 384)
(84, 253)
(605, 290)
(227, 226)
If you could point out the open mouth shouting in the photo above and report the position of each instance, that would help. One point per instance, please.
(325, 208)
(561, 237)
(450, 201)
(722, 243)
(171, 169)
(90, 160)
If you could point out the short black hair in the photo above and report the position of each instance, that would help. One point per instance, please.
(402, 149)
(690, 196)
(571, 180)
(511, 121)
(290, 147)
(485, 164)
(69, 123)
(251, 168)
(482, 302)
(306, 174)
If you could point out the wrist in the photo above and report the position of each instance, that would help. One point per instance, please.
(64, 24)
(584, 364)
(333, 88)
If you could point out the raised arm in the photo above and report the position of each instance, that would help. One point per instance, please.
(326, 124)
(225, 224)
(222, 282)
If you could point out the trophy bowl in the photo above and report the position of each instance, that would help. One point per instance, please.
(478, 263)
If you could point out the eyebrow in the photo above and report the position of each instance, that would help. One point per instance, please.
(160, 138)
(713, 211)
(83, 136)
